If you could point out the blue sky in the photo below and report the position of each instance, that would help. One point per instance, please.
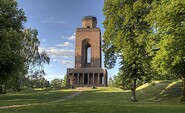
(56, 22)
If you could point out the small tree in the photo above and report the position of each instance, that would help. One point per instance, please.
(64, 81)
(111, 82)
(56, 83)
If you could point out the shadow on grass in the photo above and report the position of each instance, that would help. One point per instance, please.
(161, 92)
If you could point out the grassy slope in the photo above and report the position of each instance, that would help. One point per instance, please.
(163, 97)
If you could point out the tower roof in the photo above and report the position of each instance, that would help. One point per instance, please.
(89, 18)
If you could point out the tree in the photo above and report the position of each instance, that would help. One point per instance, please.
(122, 83)
(56, 83)
(111, 82)
(167, 18)
(34, 63)
(64, 81)
(126, 36)
(11, 26)
(19, 53)
(40, 82)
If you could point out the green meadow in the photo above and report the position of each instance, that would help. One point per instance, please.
(158, 97)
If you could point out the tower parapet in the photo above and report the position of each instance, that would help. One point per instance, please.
(89, 22)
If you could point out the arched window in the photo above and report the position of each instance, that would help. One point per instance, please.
(89, 54)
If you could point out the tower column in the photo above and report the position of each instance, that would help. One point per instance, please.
(98, 79)
(72, 79)
(83, 79)
(78, 79)
(93, 78)
(88, 79)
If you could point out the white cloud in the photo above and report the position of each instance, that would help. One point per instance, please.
(54, 76)
(69, 63)
(53, 20)
(43, 40)
(65, 44)
(54, 52)
(72, 37)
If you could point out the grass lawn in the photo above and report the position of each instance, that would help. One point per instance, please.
(163, 97)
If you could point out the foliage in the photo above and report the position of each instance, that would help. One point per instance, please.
(19, 54)
(110, 82)
(64, 81)
(11, 26)
(168, 20)
(122, 83)
(56, 83)
(34, 60)
(40, 82)
(126, 34)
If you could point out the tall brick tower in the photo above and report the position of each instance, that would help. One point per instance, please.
(87, 71)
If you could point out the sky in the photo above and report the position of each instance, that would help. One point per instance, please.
(56, 22)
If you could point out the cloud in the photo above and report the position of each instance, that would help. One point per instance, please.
(65, 44)
(72, 37)
(69, 63)
(53, 20)
(55, 52)
(58, 75)
(43, 40)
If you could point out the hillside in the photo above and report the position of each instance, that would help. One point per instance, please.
(160, 91)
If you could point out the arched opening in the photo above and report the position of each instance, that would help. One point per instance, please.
(88, 55)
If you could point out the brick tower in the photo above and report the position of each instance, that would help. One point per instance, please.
(87, 71)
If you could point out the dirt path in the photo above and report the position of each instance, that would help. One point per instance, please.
(33, 104)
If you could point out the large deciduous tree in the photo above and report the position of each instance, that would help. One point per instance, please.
(19, 54)
(167, 18)
(126, 36)
(11, 26)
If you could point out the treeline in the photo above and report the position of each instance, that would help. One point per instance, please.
(148, 36)
(44, 83)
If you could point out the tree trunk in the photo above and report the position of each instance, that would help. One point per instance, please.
(133, 92)
(183, 87)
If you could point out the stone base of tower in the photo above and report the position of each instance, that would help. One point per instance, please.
(86, 77)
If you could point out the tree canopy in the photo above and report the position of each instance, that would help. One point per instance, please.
(126, 35)
(168, 20)
(19, 54)
(148, 37)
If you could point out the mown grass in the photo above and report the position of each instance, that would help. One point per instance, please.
(33, 96)
(163, 97)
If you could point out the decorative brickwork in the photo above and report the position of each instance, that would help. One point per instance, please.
(87, 71)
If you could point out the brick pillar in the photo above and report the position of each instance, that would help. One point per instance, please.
(78, 79)
(73, 78)
(83, 79)
(104, 77)
(98, 78)
(93, 78)
(88, 79)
